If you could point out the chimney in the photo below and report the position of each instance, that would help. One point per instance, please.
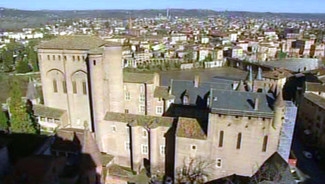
(256, 104)
(196, 81)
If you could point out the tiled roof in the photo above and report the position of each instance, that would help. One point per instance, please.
(91, 155)
(79, 42)
(277, 74)
(106, 159)
(315, 87)
(69, 139)
(138, 77)
(120, 171)
(316, 99)
(241, 103)
(97, 50)
(34, 169)
(49, 112)
(189, 128)
(162, 92)
(139, 120)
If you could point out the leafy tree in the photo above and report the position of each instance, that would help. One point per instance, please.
(20, 120)
(208, 58)
(23, 66)
(107, 24)
(3, 121)
(32, 58)
(189, 56)
(7, 60)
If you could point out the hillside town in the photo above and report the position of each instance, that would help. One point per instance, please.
(165, 99)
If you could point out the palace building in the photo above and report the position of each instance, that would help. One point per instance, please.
(143, 125)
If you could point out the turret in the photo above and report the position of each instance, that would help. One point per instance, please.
(278, 107)
(97, 87)
(249, 80)
(241, 86)
(32, 94)
(112, 60)
(259, 74)
(106, 81)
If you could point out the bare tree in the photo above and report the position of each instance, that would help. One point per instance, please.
(195, 171)
(268, 173)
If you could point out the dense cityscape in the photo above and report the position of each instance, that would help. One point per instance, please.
(161, 96)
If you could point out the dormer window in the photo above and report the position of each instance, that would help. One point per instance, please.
(208, 102)
(186, 100)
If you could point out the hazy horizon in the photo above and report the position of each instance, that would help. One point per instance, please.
(275, 6)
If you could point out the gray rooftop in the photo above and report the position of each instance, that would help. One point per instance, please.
(206, 75)
(197, 96)
(31, 91)
(241, 103)
(295, 64)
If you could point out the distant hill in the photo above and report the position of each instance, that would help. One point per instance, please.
(15, 19)
(14, 13)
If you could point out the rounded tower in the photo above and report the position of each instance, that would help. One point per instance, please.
(113, 76)
(278, 107)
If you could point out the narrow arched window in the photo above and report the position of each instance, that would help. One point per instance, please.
(239, 136)
(221, 138)
(265, 143)
(186, 100)
(55, 86)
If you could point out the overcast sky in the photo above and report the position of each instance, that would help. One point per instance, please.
(298, 6)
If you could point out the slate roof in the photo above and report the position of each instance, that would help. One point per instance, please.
(266, 173)
(139, 120)
(275, 163)
(31, 91)
(197, 96)
(49, 112)
(138, 77)
(241, 103)
(189, 128)
(231, 179)
(295, 64)
(78, 42)
(316, 99)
